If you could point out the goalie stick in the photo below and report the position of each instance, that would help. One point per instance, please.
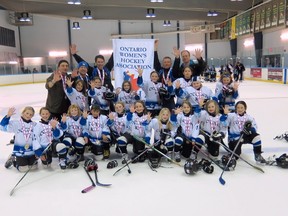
(230, 151)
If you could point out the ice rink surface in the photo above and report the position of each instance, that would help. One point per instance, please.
(167, 192)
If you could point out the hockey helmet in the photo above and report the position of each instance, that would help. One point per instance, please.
(109, 96)
(206, 166)
(232, 163)
(90, 165)
(112, 164)
(191, 167)
(282, 161)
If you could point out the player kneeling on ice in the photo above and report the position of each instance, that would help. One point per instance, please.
(242, 129)
(23, 156)
(188, 130)
(211, 129)
(44, 132)
(164, 130)
(97, 131)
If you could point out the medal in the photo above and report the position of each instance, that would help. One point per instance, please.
(98, 142)
(27, 146)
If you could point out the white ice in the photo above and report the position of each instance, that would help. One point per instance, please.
(145, 192)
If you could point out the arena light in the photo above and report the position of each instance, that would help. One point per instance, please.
(105, 52)
(248, 43)
(284, 36)
(57, 53)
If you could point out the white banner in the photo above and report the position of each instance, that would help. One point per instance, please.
(129, 54)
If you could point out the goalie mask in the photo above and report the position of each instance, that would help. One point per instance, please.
(282, 161)
(191, 167)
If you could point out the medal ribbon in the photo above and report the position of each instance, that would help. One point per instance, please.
(26, 134)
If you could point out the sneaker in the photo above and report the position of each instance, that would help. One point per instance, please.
(193, 155)
(125, 158)
(62, 163)
(260, 159)
(106, 154)
(177, 156)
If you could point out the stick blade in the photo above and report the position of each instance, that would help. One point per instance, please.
(222, 181)
(12, 192)
(88, 189)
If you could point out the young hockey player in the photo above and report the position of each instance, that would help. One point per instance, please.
(226, 92)
(128, 96)
(164, 131)
(182, 82)
(98, 94)
(187, 133)
(151, 89)
(44, 132)
(73, 136)
(209, 120)
(137, 120)
(23, 156)
(77, 95)
(242, 129)
(194, 93)
(97, 132)
(117, 123)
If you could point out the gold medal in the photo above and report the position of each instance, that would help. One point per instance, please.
(27, 146)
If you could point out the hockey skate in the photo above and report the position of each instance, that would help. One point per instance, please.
(106, 154)
(125, 158)
(259, 159)
(9, 163)
(177, 156)
(62, 163)
(193, 155)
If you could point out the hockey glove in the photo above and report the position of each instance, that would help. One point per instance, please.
(217, 135)
(247, 130)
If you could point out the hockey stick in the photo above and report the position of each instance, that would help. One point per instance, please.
(125, 161)
(221, 180)
(230, 151)
(98, 183)
(131, 161)
(134, 159)
(30, 167)
(91, 187)
(205, 154)
(155, 149)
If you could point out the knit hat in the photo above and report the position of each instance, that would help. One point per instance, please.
(83, 63)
